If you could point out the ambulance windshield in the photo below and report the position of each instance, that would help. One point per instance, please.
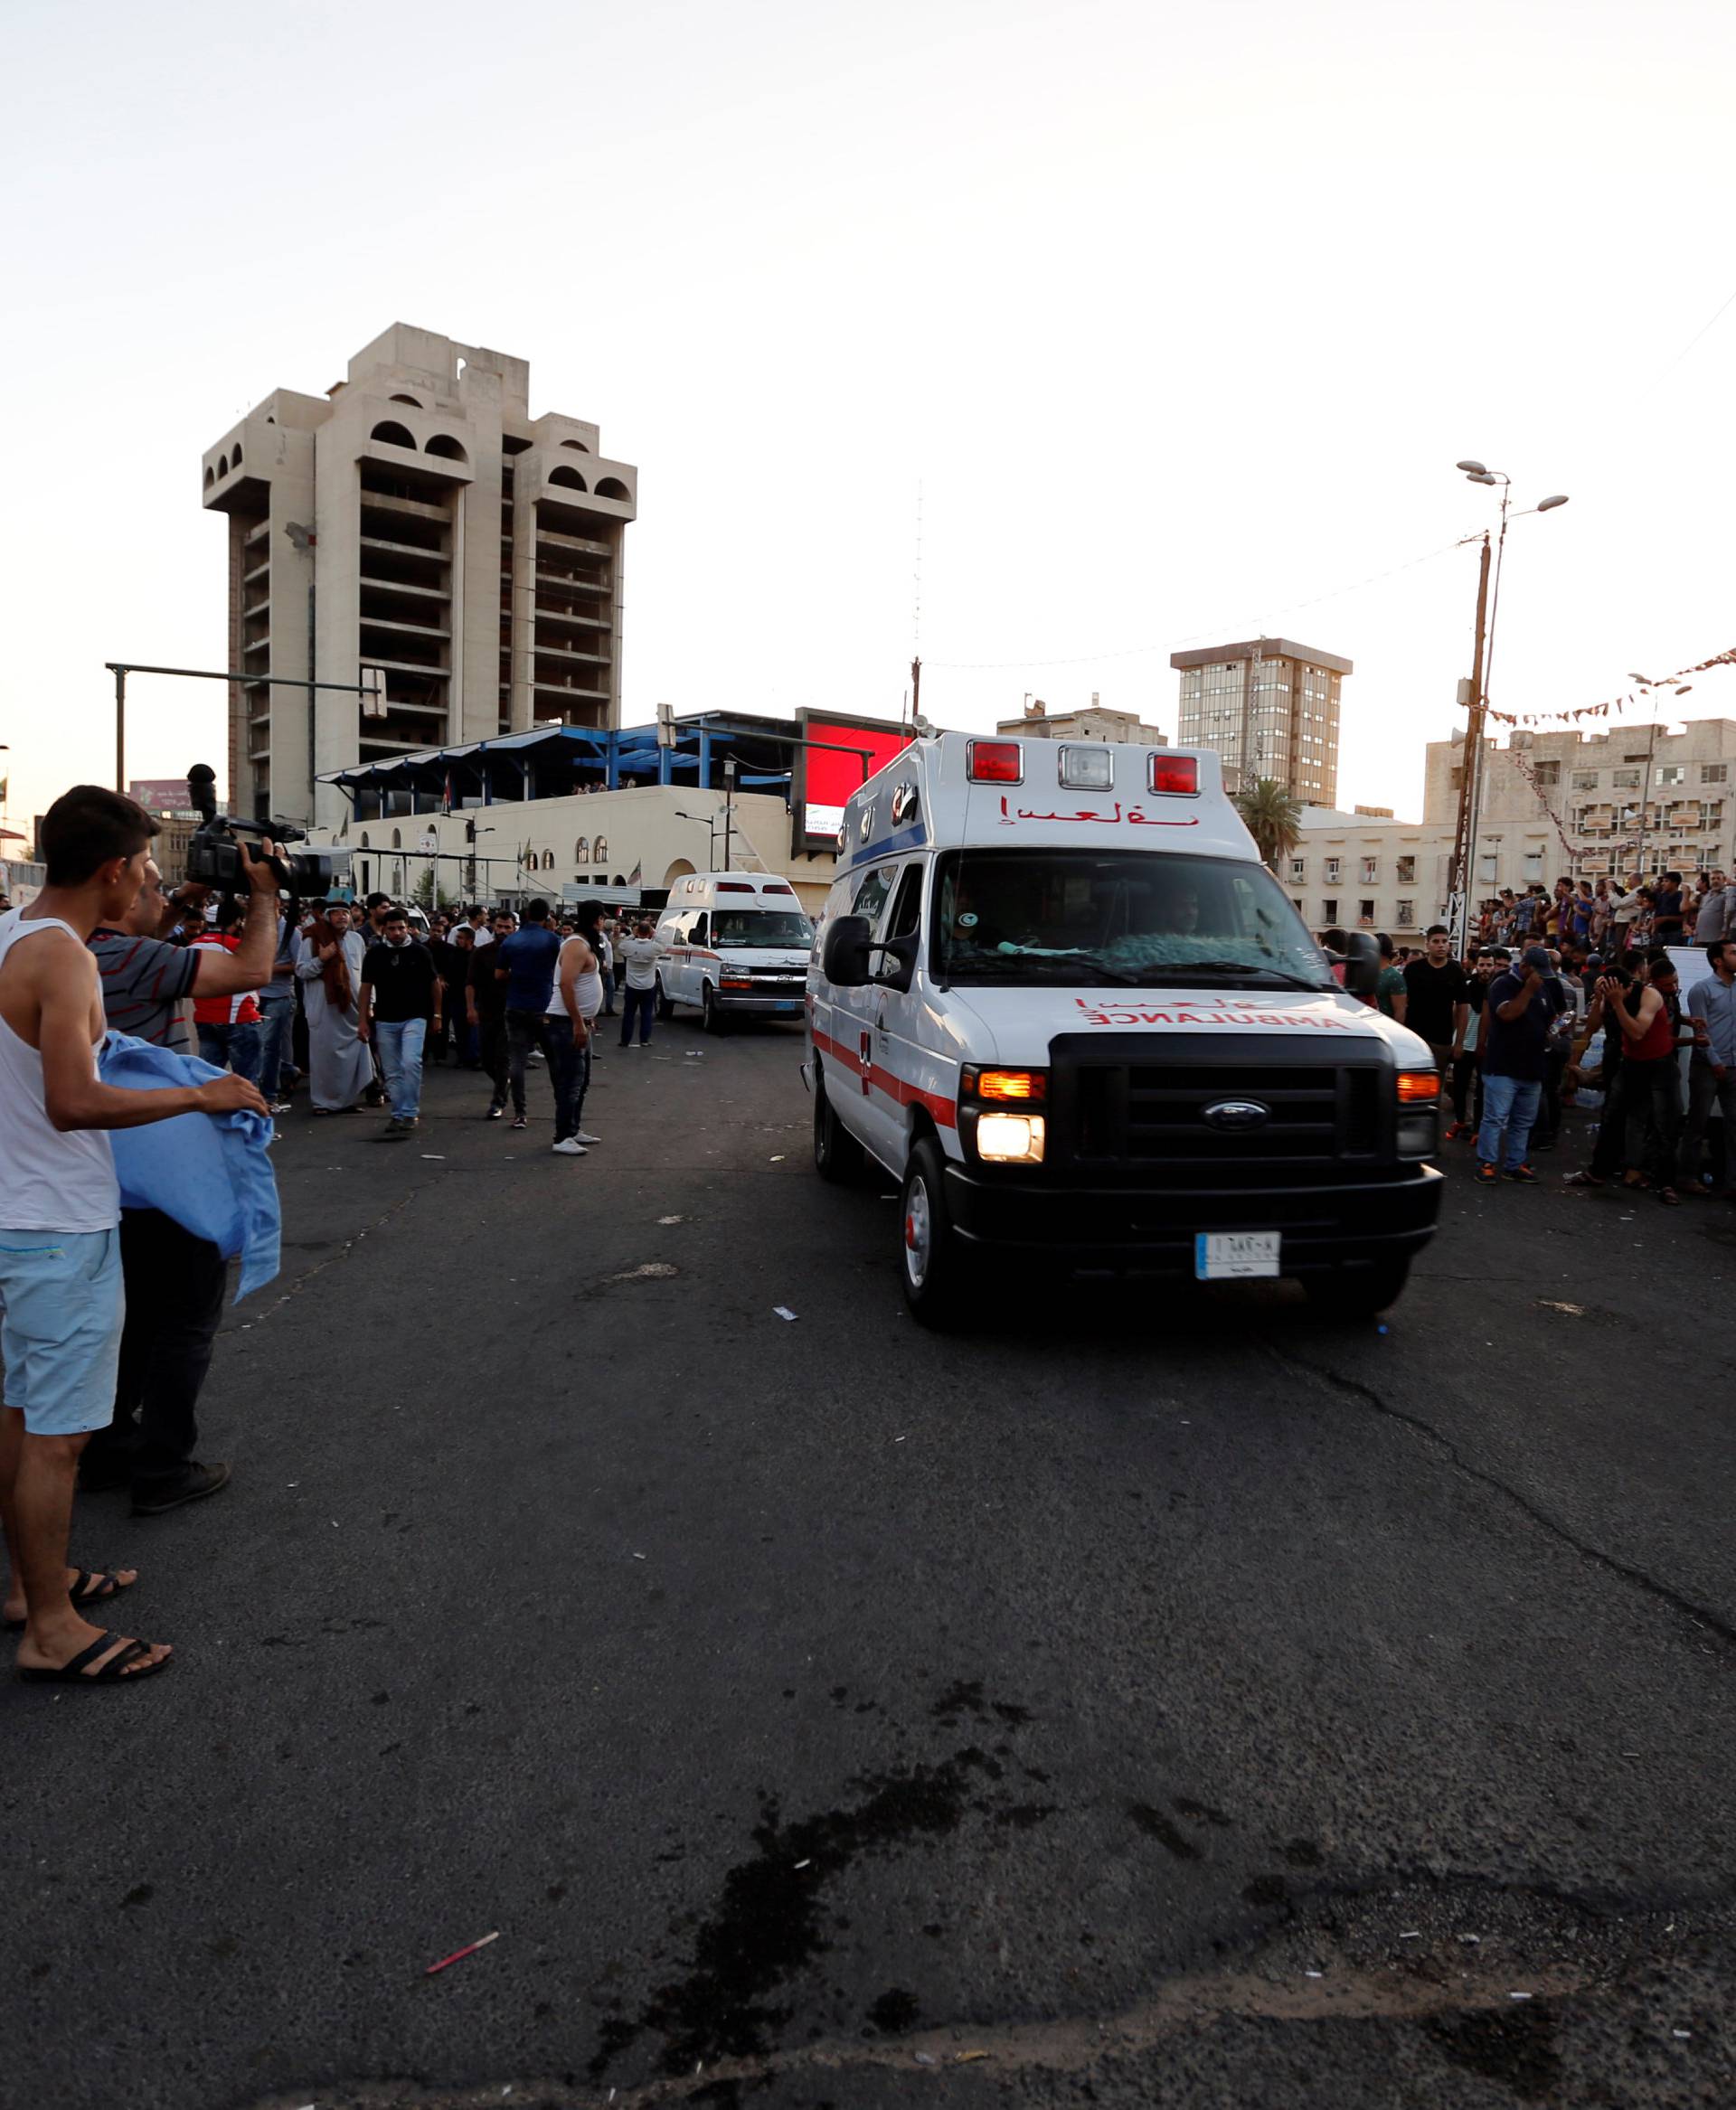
(1079, 918)
(765, 928)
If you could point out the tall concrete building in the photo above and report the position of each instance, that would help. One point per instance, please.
(1271, 708)
(419, 519)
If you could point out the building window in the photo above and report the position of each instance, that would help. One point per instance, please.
(1672, 773)
(1365, 912)
(582, 853)
(1584, 780)
(1407, 915)
(1371, 872)
(1298, 868)
(1713, 772)
(1548, 772)
(599, 851)
(1296, 903)
(1626, 780)
(1329, 908)
(1533, 865)
(1407, 872)
(1332, 870)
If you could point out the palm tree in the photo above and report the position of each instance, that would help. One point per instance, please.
(1274, 819)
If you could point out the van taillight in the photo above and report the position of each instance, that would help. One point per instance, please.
(1178, 774)
(995, 762)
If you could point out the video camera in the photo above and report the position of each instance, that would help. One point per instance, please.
(214, 856)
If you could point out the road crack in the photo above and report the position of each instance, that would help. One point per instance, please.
(1690, 1608)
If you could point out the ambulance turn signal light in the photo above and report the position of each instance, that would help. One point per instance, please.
(995, 762)
(1419, 1087)
(1005, 1088)
(1178, 774)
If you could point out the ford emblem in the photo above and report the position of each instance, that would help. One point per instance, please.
(1238, 1114)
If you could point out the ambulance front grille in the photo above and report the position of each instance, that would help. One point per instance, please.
(1154, 1115)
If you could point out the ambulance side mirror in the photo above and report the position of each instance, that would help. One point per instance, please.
(895, 962)
(1361, 965)
(843, 952)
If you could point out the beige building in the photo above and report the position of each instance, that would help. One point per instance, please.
(1037, 721)
(1271, 708)
(1637, 799)
(415, 519)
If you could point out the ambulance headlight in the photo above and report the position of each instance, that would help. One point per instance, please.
(1010, 1139)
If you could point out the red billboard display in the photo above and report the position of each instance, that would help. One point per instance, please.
(824, 778)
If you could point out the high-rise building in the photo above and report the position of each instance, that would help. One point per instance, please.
(415, 519)
(1271, 708)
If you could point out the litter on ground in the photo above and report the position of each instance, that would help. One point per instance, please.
(469, 1949)
(783, 1312)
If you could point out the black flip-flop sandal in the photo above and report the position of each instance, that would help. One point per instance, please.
(114, 1671)
(79, 1590)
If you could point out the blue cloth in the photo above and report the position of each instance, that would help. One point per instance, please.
(529, 956)
(212, 1172)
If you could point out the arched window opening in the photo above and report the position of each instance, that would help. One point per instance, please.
(570, 478)
(397, 838)
(578, 446)
(613, 487)
(599, 851)
(415, 402)
(211, 477)
(392, 433)
(443, 444)
(223, 464)
(235, 459)
(581, 852)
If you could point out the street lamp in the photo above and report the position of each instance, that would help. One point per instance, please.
(1463, 870)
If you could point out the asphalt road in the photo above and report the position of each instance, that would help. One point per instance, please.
(1140, 1700)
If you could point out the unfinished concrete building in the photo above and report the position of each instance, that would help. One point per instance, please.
(415, 519)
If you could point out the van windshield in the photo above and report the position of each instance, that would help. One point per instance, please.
(1078, 919)
(768, 927)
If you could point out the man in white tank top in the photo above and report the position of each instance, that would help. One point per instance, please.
(60, 1215)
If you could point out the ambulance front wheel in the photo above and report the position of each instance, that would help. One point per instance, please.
(666, 1002)
(837, 1156)
(935, 1262)
(711, 1012)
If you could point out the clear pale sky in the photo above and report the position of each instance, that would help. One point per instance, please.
(1179, 316)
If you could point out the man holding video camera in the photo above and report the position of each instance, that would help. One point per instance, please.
(174, 1281)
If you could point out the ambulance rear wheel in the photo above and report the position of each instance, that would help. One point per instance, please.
(837, 1156)
(936, 1264)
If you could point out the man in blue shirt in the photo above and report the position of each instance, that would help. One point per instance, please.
(1517, 1014)
(525, 964)
(1711, 1071)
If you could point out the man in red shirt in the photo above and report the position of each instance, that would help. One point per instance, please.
(228, 1026)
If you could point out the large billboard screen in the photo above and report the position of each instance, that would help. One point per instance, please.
(824, 778)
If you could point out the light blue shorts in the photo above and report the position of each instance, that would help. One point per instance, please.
(59, 1333)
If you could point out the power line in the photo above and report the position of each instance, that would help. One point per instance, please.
(1694, 340)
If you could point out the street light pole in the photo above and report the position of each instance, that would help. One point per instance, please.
(1462, 871)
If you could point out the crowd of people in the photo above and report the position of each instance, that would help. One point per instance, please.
(1604, 916)
(358, 997)
(108, 1315)
(1522, 1030)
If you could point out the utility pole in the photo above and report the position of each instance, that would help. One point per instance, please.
(1461, 874)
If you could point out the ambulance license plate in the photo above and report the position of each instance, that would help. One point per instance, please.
(788, 1004)
(1229, 1255)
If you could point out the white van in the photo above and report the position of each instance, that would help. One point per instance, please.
(735, 944)
(1060, 1000)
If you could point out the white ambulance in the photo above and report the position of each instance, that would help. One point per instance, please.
(1058, 996)
(735, 945)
